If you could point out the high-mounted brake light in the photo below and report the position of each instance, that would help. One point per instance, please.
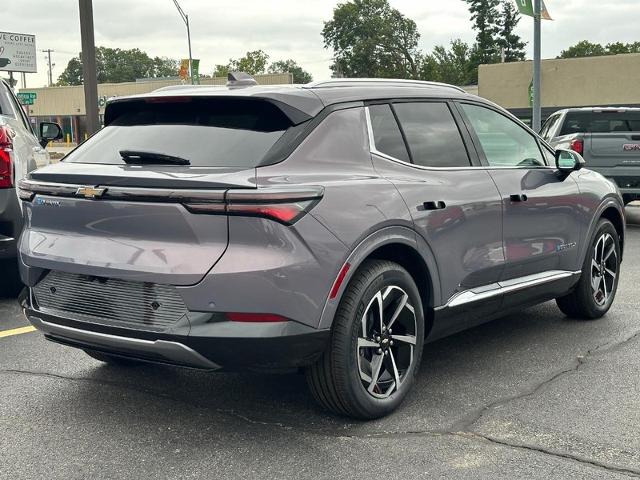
(173, 99)
(577, 145)
(6, 157)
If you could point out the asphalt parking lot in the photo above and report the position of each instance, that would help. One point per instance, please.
(530, 396)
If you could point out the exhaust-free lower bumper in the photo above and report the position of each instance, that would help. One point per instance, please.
(219, 345)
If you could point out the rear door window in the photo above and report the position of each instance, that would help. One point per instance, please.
(386, 133)
(601, 122)
(209, 132)
(432, 134)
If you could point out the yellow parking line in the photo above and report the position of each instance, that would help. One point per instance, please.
(16, 331)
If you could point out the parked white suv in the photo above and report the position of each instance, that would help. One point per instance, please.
(20, 153)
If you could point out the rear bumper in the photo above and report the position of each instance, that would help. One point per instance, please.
(219, 345)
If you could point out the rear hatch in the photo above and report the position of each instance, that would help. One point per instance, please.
(128, 203)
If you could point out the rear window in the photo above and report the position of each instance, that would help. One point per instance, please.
(207, 132)
(601, 122)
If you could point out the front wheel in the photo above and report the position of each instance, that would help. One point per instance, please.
(596, 290)
(376, 344)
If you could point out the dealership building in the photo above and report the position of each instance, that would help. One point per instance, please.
(576, 82)
(65, 105)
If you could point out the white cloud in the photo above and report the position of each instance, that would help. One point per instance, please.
(282, 28)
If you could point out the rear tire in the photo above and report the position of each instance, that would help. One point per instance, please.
(112, 359)
(372, 359)
(594, 294)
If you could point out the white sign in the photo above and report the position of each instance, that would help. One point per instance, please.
(18, 52)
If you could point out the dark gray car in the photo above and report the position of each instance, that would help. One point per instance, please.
(331, 227)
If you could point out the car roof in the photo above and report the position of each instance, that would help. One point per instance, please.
(310, 99)
(599, 109)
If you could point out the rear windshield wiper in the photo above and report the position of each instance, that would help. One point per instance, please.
(139, 157)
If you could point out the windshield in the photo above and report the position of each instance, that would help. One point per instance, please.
(206, 132)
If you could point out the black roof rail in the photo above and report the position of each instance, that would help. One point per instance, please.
(362, 82)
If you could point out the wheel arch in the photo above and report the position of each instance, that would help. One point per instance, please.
(403, 246)
(612, 214)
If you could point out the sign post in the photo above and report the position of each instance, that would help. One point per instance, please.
(537, 34)
(538, 10)
(18, 52)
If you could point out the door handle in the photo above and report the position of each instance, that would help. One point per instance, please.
(519, 197)
(439, 205)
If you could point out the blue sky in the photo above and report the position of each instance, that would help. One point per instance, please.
(282, 28)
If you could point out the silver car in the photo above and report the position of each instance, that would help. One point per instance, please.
(333, 227)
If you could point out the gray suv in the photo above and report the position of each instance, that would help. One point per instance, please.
(332, 227)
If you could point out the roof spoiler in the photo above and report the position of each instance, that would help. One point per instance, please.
(240, 80)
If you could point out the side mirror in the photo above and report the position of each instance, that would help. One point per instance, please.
(569, 161)
(49, 131)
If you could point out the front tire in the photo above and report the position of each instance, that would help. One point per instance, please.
(376, 344)
(596, 290)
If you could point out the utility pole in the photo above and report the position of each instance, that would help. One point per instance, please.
(89, 66)
(48, 52)
(537, 111)
(185, 19)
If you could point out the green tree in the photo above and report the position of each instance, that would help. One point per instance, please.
(371, 39)
(114, 65)
(584, 49)
(253, 63)
(452, 66)
(485, 17)
(508, 41)
(290, 66)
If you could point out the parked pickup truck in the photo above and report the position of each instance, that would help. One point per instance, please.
(607, 138)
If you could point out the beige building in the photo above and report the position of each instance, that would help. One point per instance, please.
(574, 82)
(65, 105)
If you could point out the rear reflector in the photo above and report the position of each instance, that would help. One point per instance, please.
(577, 145)
(6, 157)
(255, 317)
(338, 283)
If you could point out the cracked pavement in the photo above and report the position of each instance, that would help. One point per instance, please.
(533, 395)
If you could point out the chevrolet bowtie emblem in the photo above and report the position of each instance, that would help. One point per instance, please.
(90, 192)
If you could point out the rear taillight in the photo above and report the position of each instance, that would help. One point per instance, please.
(6, 157)
(577, 145)
(284, 205)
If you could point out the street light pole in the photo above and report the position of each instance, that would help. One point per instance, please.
(89, 66)
(537, 111)
(185, 19)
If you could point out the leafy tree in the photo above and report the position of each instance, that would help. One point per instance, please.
(452, 66)
(290, 66)
(584, 49)
(587, 49)
(511, 43)
(253, 63)
(115, 65)
(620, 48)
(485, 17)
(371, 39)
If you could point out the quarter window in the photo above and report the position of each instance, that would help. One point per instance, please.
(386, 133)
(504, 142)
(432, 134)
